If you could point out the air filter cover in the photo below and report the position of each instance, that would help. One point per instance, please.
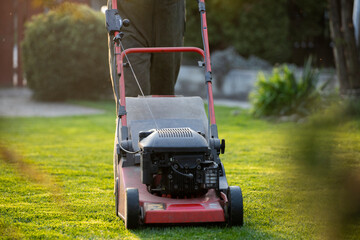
(172, 140)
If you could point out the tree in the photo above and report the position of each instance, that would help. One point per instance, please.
(252, 27)
(346, 52)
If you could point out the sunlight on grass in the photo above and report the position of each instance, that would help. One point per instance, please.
(57, 182)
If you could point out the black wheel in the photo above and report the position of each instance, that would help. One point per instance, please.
(132, 208)
(117, 196)
(235, 208)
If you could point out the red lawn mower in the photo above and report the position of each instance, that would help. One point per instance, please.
(166, 158)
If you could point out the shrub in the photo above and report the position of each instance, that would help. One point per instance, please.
(65, 54)
(282, 94)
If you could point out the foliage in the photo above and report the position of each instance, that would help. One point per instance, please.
(329, 163)
(44, 3)
(252, 27)
(352, 107)
(74, 198)
(65, 54)
(307, 19)
(282, 94)
(264, 28)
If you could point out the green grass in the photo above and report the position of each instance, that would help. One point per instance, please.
(57, 179)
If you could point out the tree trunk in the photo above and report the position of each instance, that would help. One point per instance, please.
(338, 42)
(351, 53)
(345, 49)
(356, 19)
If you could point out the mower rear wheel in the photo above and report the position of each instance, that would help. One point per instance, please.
(132, 208)
(235, 208)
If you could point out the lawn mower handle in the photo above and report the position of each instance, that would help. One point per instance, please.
(205, 53)
(120, 70)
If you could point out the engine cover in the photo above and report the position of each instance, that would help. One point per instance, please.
(177, 162)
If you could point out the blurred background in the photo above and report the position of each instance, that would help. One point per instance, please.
(294, 61)
(245, 37)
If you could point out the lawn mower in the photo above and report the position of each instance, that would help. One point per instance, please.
(167, 168)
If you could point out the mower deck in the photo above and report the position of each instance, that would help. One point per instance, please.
(208, 208)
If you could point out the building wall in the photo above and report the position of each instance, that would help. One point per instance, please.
(13, 15)
(6, 41)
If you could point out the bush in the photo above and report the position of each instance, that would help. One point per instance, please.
(281, 94)
(65, 54)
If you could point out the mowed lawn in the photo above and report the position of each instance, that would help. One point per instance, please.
(56, 179)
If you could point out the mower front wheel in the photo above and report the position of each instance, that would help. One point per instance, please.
(235, 207)
(132, 208)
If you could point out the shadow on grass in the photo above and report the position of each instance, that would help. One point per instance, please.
(30, 172)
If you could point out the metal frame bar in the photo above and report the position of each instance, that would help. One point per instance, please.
(145, 50)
